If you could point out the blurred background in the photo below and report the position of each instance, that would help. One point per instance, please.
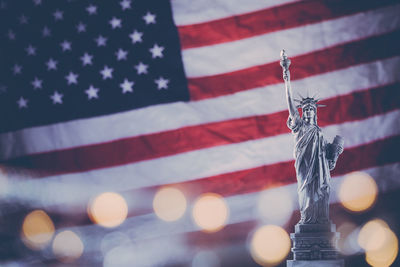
(153, 133)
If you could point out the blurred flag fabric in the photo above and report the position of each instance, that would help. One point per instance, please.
(131, 96)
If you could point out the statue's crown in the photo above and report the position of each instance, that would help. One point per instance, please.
(308, 101)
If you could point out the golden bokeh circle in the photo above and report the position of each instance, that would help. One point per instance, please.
(270, 245)
(379, 242)
(358, 191)
(67, 246)
(37, 230)
(108, 209)
(169, 204)
(210, 212)
(386, 254)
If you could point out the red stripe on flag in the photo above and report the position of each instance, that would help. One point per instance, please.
(375, 101)
(256, 179)
(345, 108)
(330, 59)
(270, 20)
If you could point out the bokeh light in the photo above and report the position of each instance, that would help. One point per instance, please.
(358, 191)
(112, 240)
(124, 255)
(379, 242)
(67, 246)
(275, 206)
(210, 212)
(37, 230)
(347, 243)
(372, 235)
(270, 245)
(169, 204)
(206, 258)
(385, 255)
(108, 209)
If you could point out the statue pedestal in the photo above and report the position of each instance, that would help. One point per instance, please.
(315, 245)
(330, 263)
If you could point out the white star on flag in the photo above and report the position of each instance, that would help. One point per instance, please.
(162, 83)
(51, 64)
(57, 98)
(22, 102)
(92, 10)
(156, 51)
(149, 18)
(141, 68)
(115, 23)
(37, 84)
(121, 54)
(58, 15)
(81, 27)
(23, 19)
(37, 2)
(127, 86)
(30, 50)
(136, 36)
(72, 78)
(101, 41)
(92, 92)
(66, 46)
(87, 59)
(107, 72)
(125, 4)
(17, 69)
(46, 31)
(11, 35)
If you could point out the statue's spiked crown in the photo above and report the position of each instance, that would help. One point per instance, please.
(308, 101)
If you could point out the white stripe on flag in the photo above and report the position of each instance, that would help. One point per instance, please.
(206, 10)
(261, 49)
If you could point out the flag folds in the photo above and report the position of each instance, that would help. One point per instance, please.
(131, 97)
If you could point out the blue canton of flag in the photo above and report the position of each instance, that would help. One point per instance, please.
(63, 60)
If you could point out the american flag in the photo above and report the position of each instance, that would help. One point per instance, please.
(131, 96)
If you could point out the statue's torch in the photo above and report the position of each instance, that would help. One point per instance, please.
(285, 63)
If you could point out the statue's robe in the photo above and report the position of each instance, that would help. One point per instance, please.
(312, 170)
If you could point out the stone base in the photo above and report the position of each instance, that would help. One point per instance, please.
(315, 242)
(315, 228)
(318, 263)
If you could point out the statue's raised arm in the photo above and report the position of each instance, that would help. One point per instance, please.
(285, 63)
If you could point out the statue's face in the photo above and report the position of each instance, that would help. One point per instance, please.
(308, 112)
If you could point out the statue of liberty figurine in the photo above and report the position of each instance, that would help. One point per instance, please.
(315, 236)
(315, 157)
